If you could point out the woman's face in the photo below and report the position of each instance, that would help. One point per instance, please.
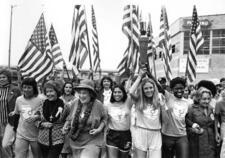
(51, 94)
(106, 83)
(3, 79)
(117, 94)
(186, 92)
(28, 91)
(148, 89)
(68, 89)
(178, 90)
(205, 99)
(84, 96)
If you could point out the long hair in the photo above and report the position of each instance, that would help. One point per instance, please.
(142, 101)
(121, 87)
(63, 89)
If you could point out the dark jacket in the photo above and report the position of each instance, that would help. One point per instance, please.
(201, 145)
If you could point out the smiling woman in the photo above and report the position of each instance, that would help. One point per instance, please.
(200, 125)
(86, 122)
(26, 106)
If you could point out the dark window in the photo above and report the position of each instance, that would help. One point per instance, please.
(204, 49)
(218, 41)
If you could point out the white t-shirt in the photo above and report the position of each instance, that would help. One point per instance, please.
(27, 108)
(119, 115)
(177, 110)
(107, 96)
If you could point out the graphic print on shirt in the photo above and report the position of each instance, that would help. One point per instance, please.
(26, 111)
(151, 113)
(118, 114)
(179, 111)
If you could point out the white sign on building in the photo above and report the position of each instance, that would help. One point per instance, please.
(202, 64)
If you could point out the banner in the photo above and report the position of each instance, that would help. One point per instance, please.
(202, 64)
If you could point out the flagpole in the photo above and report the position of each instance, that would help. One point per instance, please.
(154, 67)
(131, 48)
(89, 52)
(10, 36)
(64, 65)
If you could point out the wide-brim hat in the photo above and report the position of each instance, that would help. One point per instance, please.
(87, 84)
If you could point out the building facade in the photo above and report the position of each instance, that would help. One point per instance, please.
(210, 57)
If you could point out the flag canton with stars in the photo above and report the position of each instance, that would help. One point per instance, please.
(195, 21)
(52, 36)
(38, 37)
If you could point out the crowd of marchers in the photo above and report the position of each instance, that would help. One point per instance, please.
(142, 117)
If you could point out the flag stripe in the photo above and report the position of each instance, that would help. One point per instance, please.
(79, 48)
(130, 28)
(196, 41)
(36, 61)
(165, 44)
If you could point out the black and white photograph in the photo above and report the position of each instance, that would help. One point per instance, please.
(112, 79)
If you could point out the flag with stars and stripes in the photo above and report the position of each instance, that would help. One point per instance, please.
(196, 41)
(131, 29)
(55, 48)
(79, 49)
(95, 44)
(36, 61)
(164, 43)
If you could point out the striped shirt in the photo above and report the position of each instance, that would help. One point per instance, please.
(3, 105)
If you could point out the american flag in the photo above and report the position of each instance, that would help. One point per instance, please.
(36, 61)
(55, 49)
(79, 48)
(164, 42)
(196, 41)
(95, 44)
(130, 28)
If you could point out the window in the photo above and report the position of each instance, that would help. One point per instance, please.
(218, 41)
(204, 49)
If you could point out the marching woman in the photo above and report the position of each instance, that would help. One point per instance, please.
(105, 92)
(174, 133)
(118, 136)
(146, 124)
(68, 97)
(86, 122)
(27, 106)
(200, 124)
(53, 114)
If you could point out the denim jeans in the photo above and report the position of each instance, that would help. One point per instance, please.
(174, 146)
(22, 148)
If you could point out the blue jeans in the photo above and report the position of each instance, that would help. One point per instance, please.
(174, 146)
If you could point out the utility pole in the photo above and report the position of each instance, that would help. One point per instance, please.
(10, 35)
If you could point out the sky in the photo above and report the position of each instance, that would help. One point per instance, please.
(109, 13)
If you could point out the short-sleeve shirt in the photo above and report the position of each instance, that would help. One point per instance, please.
(220, 110)
(119, 115)
(27, 108)
(177, 109)
(149, 118)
